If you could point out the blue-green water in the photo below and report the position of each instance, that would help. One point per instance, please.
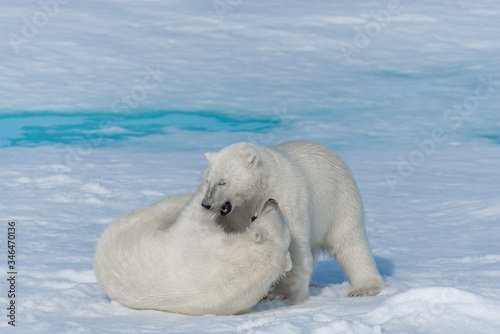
(35, 129)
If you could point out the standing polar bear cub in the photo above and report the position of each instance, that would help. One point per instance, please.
(317, 194)
(172, 256)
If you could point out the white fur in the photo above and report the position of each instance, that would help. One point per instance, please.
(172, 256)
(317, 194)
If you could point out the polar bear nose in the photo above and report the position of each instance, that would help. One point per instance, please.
(205, 205)
(270, 202)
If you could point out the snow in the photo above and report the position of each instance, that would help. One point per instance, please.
(106, 106)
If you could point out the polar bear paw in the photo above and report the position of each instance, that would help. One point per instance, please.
(287, 298)
(275, 297)
(365, 291)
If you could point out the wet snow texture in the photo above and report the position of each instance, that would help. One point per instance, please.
(106, 106)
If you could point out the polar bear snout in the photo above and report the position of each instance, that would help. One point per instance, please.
(270, 204)
(224, 209)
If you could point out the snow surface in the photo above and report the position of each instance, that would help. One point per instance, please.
(107, 105)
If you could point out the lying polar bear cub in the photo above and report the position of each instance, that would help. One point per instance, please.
(173, 257)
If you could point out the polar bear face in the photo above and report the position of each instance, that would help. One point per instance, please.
(271, 225)
(267, 220)
(232, 178)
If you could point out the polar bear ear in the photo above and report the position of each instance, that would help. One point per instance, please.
(209, 156)
(257, 235)
(253, 159)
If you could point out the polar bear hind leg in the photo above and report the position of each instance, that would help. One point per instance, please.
(352, 252)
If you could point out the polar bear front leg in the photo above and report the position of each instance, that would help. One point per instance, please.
(293, 288)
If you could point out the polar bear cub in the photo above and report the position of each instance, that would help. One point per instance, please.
(317, 194)
(172, 256)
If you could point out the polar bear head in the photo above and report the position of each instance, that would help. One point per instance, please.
(272, 223)
(272, 227)
(234, 177)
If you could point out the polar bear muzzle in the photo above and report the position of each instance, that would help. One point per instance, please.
(226, 208)
(270, 204)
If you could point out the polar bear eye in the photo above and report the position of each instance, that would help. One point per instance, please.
(222, 182)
